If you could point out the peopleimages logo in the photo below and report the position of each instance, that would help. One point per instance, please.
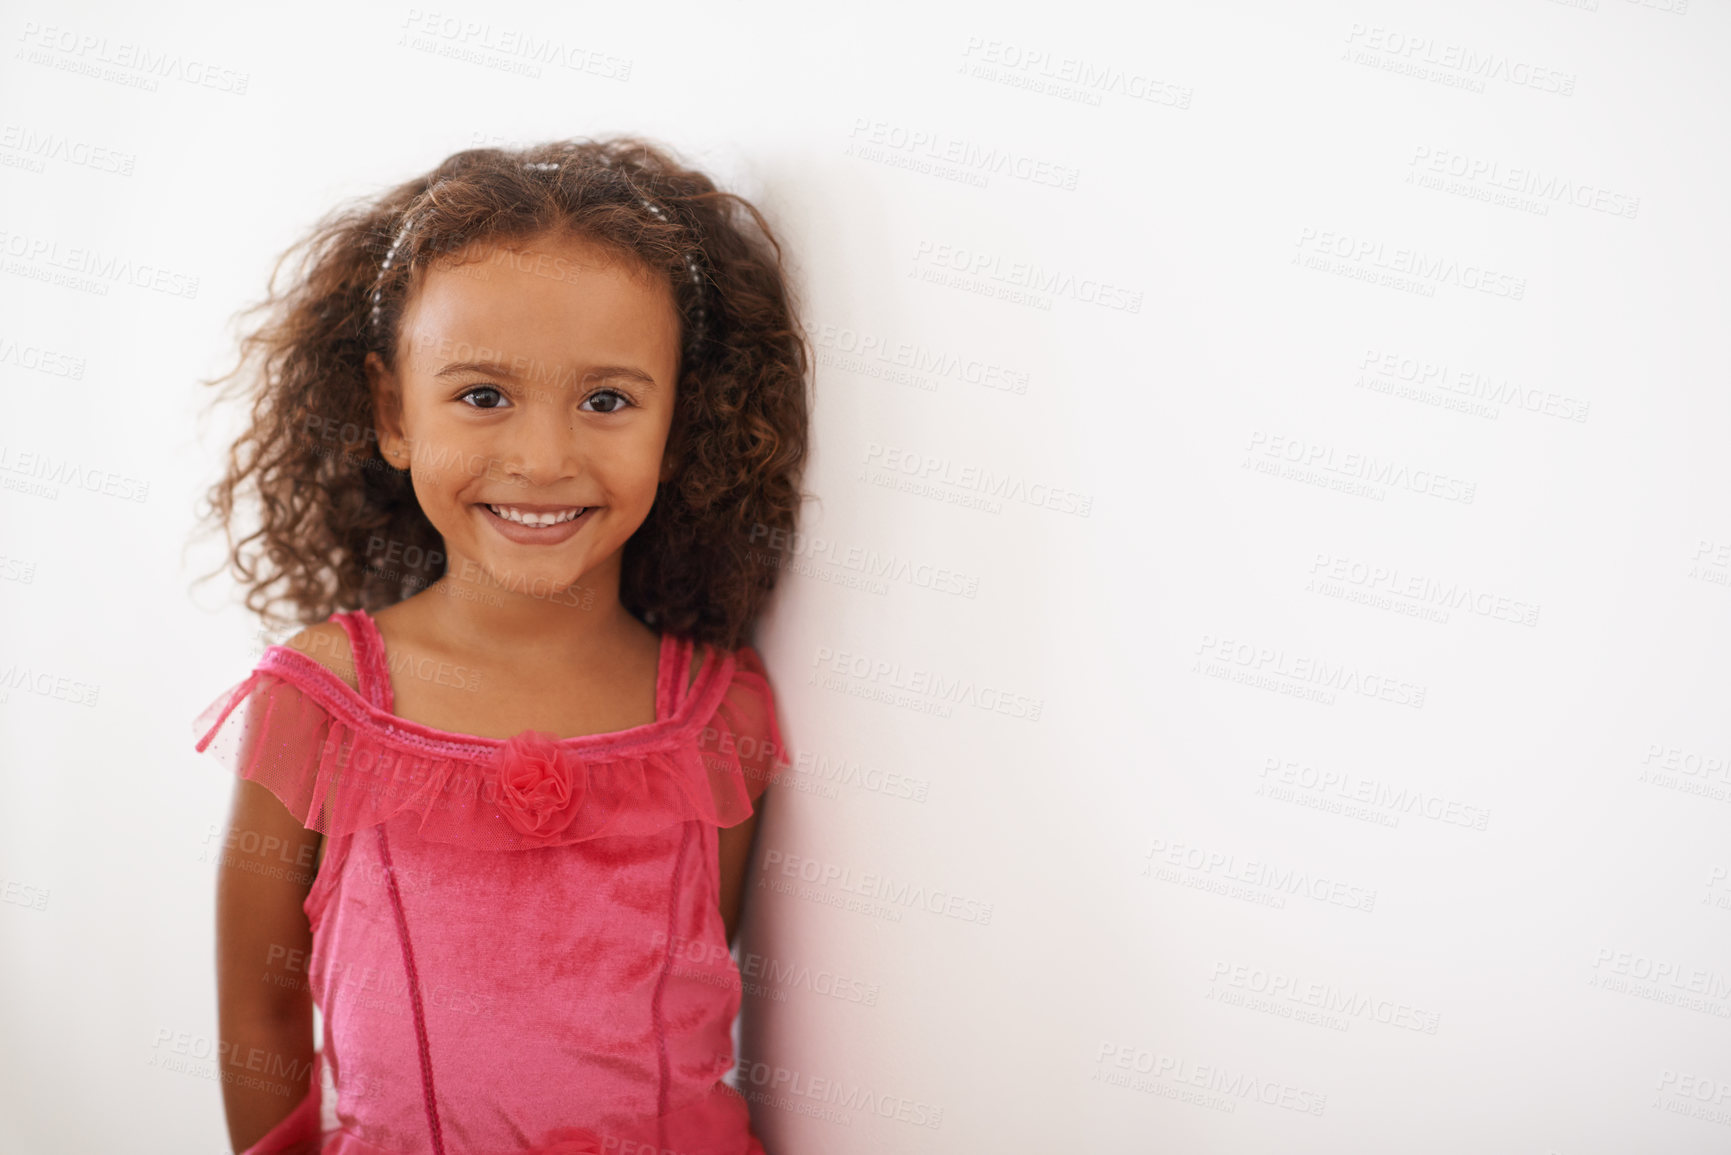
(45, 146)
(1270, 667)
(87, 54)
(1525, 180)
(877, 886)
(1422, 53)
(481, 42)
(1070, 77)
(1468, 383)
(1233, 1086)
(881, 673)
(861, 349)
(1328, 998)
(1165, 857)
(935, 469)
(1370, 255)
(829, 1097)
(923, 144)
(1027, 276)
(1355, 467)
(39, 258)
(41, 360)
(1383, 585)
(1345, 786)
(863, 561)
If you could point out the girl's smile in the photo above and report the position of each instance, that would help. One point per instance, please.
(535, 524)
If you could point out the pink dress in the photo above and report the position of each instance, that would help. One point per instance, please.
(517, 943)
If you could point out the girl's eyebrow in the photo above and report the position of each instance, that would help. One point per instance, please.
(506, 369)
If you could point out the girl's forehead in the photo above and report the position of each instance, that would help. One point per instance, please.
(571, 246)
(546, 297)
(565, 240)
(547, 272)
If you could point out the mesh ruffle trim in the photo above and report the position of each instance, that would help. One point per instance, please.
(339, 769)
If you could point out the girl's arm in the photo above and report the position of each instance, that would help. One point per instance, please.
(264, 1001)
(761, 759)
(734, 844)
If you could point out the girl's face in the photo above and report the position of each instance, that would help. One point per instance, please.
(534, 380)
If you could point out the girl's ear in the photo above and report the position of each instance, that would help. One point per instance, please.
(387, 411)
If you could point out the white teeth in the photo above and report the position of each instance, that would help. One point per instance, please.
(535, 519)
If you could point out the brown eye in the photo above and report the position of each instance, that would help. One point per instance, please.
(620, 400)
(496, 396)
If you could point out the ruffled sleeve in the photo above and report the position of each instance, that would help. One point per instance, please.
(340, 764)
(742, 740)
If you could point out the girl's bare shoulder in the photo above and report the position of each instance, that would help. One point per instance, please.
(328, 645)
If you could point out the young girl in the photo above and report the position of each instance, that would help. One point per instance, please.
(527, 435)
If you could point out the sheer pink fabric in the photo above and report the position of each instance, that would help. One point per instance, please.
(517, 944)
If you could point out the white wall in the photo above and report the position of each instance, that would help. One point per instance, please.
(1291, 859)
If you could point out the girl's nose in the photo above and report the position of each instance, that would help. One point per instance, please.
(545, 445)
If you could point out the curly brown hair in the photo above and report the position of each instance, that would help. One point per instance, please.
(706, 558)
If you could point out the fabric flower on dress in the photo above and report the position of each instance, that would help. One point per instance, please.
(539, 785)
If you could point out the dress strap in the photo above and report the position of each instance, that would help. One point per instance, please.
(371, 671)
(672, 668)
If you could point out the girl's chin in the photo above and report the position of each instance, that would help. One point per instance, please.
(560, 585)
